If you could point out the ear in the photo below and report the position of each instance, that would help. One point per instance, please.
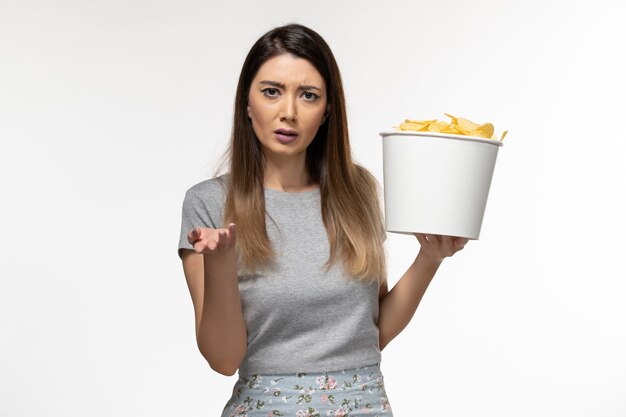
(325, 114)
(248, 110)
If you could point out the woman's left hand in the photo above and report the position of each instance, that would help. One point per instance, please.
(437, 247)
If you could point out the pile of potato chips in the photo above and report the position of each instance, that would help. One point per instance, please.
(457, 126)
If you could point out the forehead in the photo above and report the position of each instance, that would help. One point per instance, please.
(288, 69)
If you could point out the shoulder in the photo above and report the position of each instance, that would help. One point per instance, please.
(204, 203)
(213, 187)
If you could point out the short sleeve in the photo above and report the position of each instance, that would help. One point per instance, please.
(195, 213)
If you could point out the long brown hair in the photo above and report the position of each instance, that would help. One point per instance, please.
(349, 193)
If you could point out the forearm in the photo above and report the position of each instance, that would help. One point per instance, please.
(398, 306)
(222, 334)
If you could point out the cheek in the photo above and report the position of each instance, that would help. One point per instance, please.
(315, 119)
(260, 121)
(260, 114)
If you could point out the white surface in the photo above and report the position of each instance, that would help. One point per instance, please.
(436, 184)
(110, 110)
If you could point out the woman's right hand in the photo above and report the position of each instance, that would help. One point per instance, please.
(207, 240)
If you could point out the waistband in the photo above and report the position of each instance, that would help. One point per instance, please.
(353, 379)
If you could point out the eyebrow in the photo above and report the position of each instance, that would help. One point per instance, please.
(281, 85)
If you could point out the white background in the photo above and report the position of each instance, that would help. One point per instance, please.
(110, 110)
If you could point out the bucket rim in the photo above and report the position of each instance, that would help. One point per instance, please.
(440, 135)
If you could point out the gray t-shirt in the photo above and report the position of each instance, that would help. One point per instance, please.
(298, 317)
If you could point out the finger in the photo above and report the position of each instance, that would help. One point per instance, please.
(213, 243)
(421, 238)
(221, 239)
(200, 245)
(195, 245)
(461, 242)
(192, 236)
(431, 238)
(448, 243)
(232, 233)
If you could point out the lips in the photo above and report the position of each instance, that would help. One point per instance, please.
(288, 132)
(286, 135)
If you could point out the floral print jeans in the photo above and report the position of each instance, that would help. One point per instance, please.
(350, 392)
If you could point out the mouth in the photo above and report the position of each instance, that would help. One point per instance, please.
(289, 132)
(286, 135)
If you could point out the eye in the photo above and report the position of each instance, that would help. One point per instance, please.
(311, 96)
(268, 91)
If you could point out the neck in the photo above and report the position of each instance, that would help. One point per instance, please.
(286, 174)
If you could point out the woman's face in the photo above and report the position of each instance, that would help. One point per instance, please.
(286, 93)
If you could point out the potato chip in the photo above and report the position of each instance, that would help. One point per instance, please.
(437, 126)
(413, 126)
(419, 121)
(464, 125)
(451, 117)
(457, 126)
(483, 131)
(452, 129)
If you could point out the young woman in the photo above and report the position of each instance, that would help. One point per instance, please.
(283, 254)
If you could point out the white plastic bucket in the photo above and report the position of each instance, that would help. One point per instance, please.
(436, 183)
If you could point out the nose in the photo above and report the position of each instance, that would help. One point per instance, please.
(288, 111)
